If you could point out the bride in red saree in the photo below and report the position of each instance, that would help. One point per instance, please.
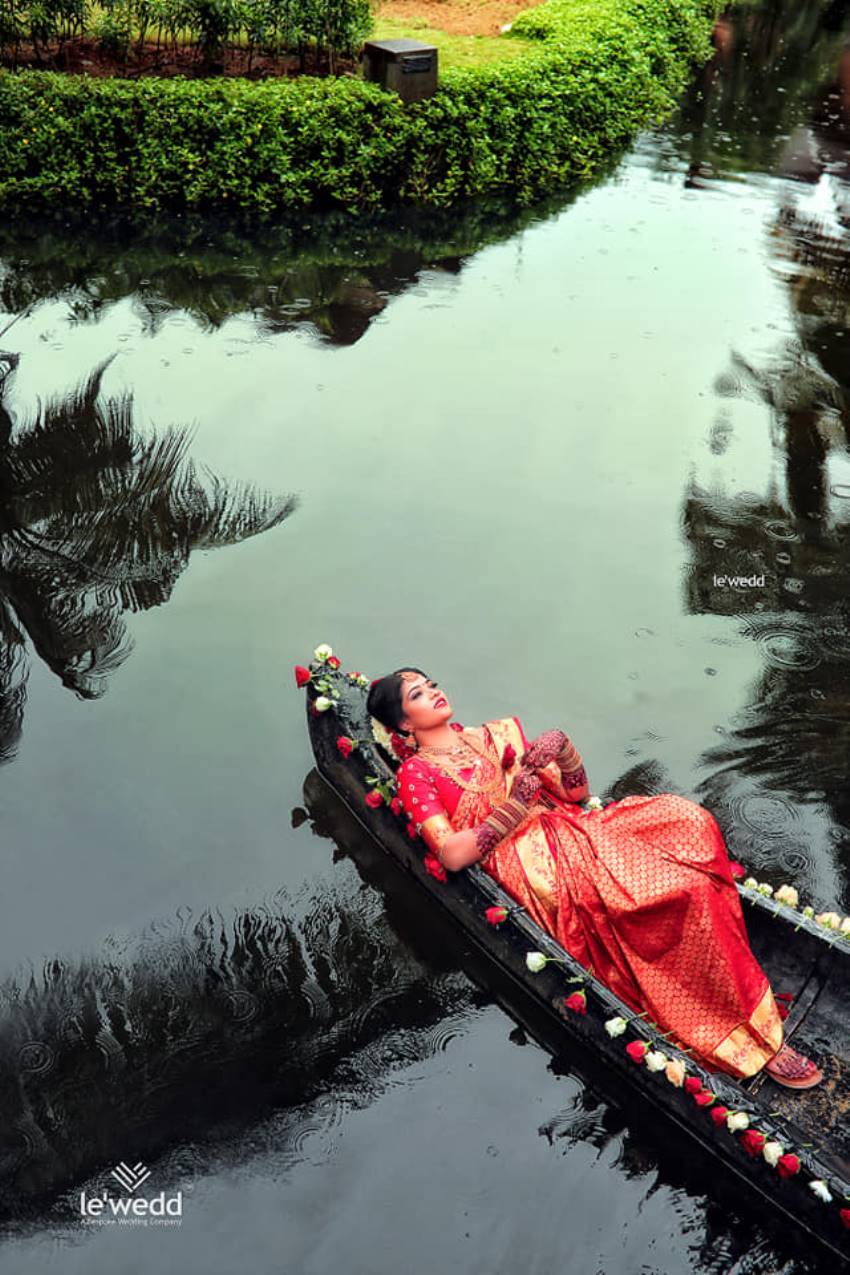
(640, 893)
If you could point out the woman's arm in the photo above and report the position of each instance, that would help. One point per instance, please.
(557, 761)
(473, 845)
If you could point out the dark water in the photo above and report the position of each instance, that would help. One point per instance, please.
(519, 450)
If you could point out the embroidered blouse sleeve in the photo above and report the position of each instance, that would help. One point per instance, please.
(422, 805)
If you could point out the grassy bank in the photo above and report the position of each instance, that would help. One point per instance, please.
(591, 73)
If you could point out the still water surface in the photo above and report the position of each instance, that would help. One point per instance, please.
(519, 450)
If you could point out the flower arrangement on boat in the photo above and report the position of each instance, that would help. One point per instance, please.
(647, 1052)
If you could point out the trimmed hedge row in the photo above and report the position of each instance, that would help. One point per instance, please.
(595, 71)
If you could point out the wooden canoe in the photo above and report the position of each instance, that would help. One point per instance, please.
(802, 959)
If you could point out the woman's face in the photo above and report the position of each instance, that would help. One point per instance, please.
(423, 704)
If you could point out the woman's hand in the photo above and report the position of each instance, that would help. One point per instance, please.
(526, 787)
(543, 749)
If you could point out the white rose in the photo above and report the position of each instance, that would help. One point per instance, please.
(323, 704)
(765, 889)
(595, 803)
(535, 961)
(737, 1120)
(655, 1060)
(751, 883)
(821, 1190)
(772, 1151)
(616, 1026)
(787, 894)
(322, 653)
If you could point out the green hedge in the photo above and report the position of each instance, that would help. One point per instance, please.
(595, 71)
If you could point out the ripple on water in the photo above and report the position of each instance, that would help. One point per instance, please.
(796, 862)
(782, 643)
(768, 814)
(36, 1057)
(835, 638)
(780, 530)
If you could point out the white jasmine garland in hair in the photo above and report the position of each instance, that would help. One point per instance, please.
(808, 911)
(787, 894)
(381, 735)
(751, 883)
(844, 927)
(765, 889)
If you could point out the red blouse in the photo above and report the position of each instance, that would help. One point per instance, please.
(429, 797)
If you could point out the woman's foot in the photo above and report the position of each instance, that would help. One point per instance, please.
(792, 1070)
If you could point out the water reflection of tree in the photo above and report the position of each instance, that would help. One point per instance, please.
(198, 1030)
(333, 274)
(771, 62)
(96, 520)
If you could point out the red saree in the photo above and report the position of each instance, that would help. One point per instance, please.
(641, 893)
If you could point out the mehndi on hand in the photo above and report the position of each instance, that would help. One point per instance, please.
(507, 816)
(543, 749)
(526, 787)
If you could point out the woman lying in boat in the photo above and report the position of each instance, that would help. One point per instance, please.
(641, 892)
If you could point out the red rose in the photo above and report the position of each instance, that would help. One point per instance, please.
(508, 757)
(411, 830)
(578, 1004)
(738, 871)
(495, 916)
(434, 867)
(719, 1114)
(637, 1050)
(844, 1214)
(400, 748)
(705, 1098)
(374, 799)
(692, 1085)
(345, 745)
(396, 806)
(333, 661)
(753, 1142)
(787, 1166)
(302, 675)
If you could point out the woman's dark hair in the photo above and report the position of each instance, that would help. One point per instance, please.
(384, 699)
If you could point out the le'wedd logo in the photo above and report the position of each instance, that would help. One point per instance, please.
(131, 1209)
(130, 1178)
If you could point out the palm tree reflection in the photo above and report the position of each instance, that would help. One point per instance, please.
(96, 520)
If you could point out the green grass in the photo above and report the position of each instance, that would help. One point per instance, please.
(453, 50)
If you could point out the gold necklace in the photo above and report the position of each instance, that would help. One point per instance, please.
(491, 779)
